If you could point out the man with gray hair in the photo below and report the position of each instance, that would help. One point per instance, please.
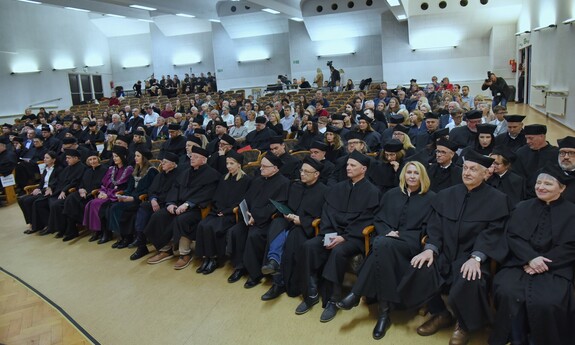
(117, 125)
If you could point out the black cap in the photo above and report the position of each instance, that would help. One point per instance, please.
(93, 153)
(431, 115)
(199, 120)
(366, 118)
(474, 156)
(360, 157)
(68, 140)
(18, 139)
(514, 118)
(112, 131)
(505, 152)
(140, 133)
(314, 163)
(261, 119)
(235, 156)
(120, 151)
(276, 140)
(174, 127)
(199, 150)
(393, 145)
(123, 138)
(440, 133)
(4, 140)
(220, 123)
(555, 170)
(46, 129)
(397, 119)
(566, 143)
(194, 139)
(333, 129)
(145, 152)
(337, 117)
(275, 160)
(72, 152)
(172, 157)
(473, 114)
(447, 143)
(7, 125)
(401, 128)
(486, 128)
(228, 139)
(319, 145)
(91, 123)
(200, 131)
(535, 129)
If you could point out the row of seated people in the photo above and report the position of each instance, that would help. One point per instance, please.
(310, 266)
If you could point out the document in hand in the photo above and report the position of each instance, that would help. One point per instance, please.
(283, 209)
(245, 211)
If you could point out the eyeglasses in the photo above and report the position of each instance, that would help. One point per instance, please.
(303, 171)
(440, 153)
(266, 166)
(566, 153)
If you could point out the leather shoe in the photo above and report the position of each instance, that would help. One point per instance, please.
(271, 267)
(274, 292)
(211, 267)
(238, 273)
(139, 253)
(117, 243)
(435, 323)
(45, 232)
(106, 237)
(383, 323)
(329, 312)
(59, 235)
(203, 266)
(69, 237)
(348, 302)
(95, 236)
(459, 336)
(307, 304)
(250, 283)
(124, 243)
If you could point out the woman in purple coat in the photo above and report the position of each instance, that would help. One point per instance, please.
(115, 181)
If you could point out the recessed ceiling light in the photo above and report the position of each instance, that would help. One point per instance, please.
(76, 9)
(115, 15)
(214, 20)
(31, 2)
(269, 10)
(146, 20)
(185, 15)
(296, 19)
(146, 8)
(401, 17)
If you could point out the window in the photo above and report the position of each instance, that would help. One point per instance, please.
(85, 87)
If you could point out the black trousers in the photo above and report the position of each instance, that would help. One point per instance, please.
(211, 235)
(236, 244)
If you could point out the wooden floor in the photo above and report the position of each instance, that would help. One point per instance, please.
(118, 301)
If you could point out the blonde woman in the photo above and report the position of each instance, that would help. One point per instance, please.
(318, 80)
(487, 114)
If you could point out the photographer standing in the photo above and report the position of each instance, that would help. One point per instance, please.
(499, 89)
(334, 77)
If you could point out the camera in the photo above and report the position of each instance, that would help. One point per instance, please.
(329, 63)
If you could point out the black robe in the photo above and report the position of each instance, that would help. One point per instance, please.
(537, 229)
(218, 162)
(569, 192)
(260, 139)
(176, 145)
(511, 184)
(383, 175)
(390, 256)
(463, 137)
(529, 162)
(290, 166)
(512, 143)
(442, 178)
(462, 223)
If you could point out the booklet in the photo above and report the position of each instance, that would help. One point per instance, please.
(328, 238)
(283, 209)
(244, 209)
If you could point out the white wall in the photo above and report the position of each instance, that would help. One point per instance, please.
(552, 49)
(42, 37)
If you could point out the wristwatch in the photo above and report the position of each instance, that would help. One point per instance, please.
(476, 258)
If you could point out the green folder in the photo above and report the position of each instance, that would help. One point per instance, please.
(281, 207)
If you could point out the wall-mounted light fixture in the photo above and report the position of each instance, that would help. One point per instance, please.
(25, 72)
(63, 68)
(88, 66)
(145, 8)
(522, 32)
(214, 20)
(434, 48)
(269, 10)
(77, 9)
(185, 15)
(140, 66)
(187, 63)
(568, 21)
(296, 19)
(254, 60)
(550, 26)
(334, 55)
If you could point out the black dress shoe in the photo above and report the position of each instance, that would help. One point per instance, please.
(271, 267)
(139, 253)
(124, 242)
(106, 237)
(274, 292)
(45, 232)
(250, 283)
(348, 302)
(211, 267)
(59, 235)
(95, 236)
(329, 312)
(116, 244)
(306, 304)
(238, 273)
(69, 237)
(383, 323)
(203, 266)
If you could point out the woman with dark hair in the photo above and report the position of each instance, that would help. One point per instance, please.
(392, 108)
(211, 231)
(121, 214)
(349, 85)
(310, 134)
(48, 183)
(365, 132)
(115, 181)
(399, 223)
(485, 141)
(502, 178)
(384, 173)
(335, 147)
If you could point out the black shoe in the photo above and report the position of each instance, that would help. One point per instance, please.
(271, 267)
(274, 292)
(211, 267)
(383, 323)
(307, 304)
(69, 237)
(116, 244)
(125, 242)
(139, 253)
(59, 235)
(106, 237)
(45, 232)
(250, 283)
(348, 302)
(138, 240)
(203, 266)
(238, 273)
(95, 236)
(329, 312)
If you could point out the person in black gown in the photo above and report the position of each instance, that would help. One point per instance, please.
(444, 173)
(503, 179)
(566, 160)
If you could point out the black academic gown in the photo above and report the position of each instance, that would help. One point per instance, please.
(382, 175)
(442, 178)
(260, 139)
(250, 242)
(290, 166)
(462, 223)
(194, 186)
(390, 256)
(8, 160)
(537, 229)
(512, 143)
(74, 204)
(175, 145)
(347, 210)
(529, 162)
(52, 209)
(218, 162)
(27, 202)
(463, 137)
(511, 184)
(212, 230)
(569, 192)
(422, 140)
(305, 202)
